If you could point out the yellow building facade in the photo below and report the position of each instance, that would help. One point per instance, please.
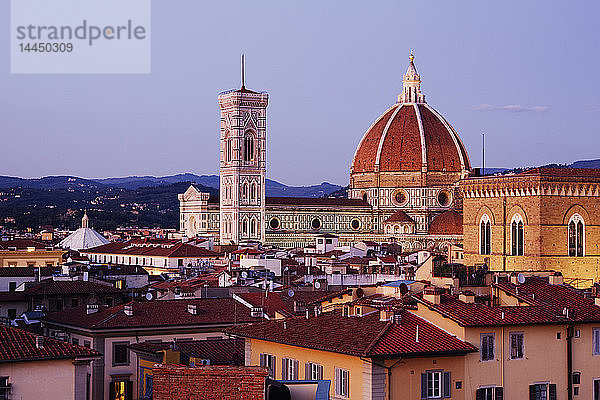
(543, 219)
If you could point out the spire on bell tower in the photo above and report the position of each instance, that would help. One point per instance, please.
(243, 74)
(411, 84)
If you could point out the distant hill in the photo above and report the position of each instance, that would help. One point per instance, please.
(274, 188)
(586, 164)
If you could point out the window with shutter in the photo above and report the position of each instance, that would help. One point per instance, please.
(435, 384)
(596, 341)
(268, 360)
(542, 391)
(447, 384)
(516, 345)
(499, 393)
(313, 372)
(487, 346)
(342, 382)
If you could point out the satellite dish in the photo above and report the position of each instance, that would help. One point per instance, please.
(360, 292)
(521, 278)
(317, 285)
(291, 293)
(244, 274)
(148, 296)
(403, 288)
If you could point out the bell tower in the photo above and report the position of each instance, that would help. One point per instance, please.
(243, 164)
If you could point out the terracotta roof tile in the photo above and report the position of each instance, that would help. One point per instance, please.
(19, 345)
(157, 313)
(51, 287)
(364, 336)
(545, 307)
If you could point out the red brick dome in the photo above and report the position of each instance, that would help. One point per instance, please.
(410, 137)
(447, 223)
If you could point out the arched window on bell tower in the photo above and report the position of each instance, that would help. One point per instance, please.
(248, 147)
(228, 151)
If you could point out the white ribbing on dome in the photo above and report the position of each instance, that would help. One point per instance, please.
(365, 136)
(422, 134)
(411, 85)
(457, 140)
(385, 131)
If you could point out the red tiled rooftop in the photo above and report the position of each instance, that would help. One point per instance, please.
(51, 287)
(153, 248)
(546, 307)
(18, 345)
(157, 313)
(364, 336)
(22, 244)
(218, 351)
(282, 303)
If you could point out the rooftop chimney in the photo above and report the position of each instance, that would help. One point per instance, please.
(556, 279)
(128, 309)
(192, 309)
(92, 308)
(467, 297)
(597, 301)
(386, 314)
(433, 295)
(39, 342)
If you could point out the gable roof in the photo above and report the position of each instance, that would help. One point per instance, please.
(363, 336)
(19, 345)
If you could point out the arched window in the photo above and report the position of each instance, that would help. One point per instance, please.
(576, 236)
(245, 227)
(252, 227)
(248, 147)
(245, 191)
(229, 151)
(485, 235)
(253, 191)
(516, 235)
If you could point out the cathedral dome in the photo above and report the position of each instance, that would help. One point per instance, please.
(409, 137)
(447, 223)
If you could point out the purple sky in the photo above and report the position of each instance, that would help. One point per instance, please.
(526, 73)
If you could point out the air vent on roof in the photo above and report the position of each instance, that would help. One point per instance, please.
(257, 312)
(193, 309)
(92, 308)
(128, 309)
(39, 342)
(398, 318)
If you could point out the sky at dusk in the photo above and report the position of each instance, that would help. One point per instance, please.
(525, 73)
